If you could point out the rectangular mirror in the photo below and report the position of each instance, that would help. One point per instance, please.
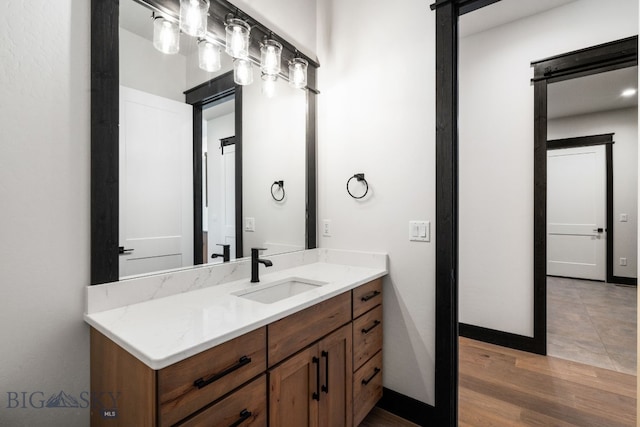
(234, 169)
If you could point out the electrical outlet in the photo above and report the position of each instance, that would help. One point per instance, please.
(624, 217)
(623, 262)
(249, 224)
(326, 228)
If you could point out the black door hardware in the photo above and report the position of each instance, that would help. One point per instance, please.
(201, 382)
(370, 328)
(366, 381)
(325, 387)
(244, 415)
(316, 394)
(369, 296)
(123, 251)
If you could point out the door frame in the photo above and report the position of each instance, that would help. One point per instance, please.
(579, 63)
(199, 97)
(589, 141)
(446, 275)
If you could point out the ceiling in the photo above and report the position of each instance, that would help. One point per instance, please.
(590, 94)
(598, 92)
(503, 12)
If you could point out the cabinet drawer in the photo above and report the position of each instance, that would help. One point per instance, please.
(367, 388)
(246, 407)
(294, 332)
(191, 384)
(366, 297)
(367, 336)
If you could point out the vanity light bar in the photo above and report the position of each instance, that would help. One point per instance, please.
(219, 10)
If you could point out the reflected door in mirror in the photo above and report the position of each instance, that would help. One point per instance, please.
(156, 218)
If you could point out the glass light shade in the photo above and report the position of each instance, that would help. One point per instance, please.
(208, 56)
(242, 71)
(298, 73)
(193, 17)
(237, 38)
(166, 35)
(269, 85)
(270, 55)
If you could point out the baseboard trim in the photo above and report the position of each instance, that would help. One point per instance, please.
(407, 407)
(503, 339)
(633, 281)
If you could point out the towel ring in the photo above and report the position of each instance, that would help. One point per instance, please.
(280, 185)
(360, 178)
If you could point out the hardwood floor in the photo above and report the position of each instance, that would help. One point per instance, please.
(504, 387)
(380, 418)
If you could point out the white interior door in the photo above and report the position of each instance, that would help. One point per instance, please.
(222, 200)
(156, 183)
(576, 210)
(229, 176)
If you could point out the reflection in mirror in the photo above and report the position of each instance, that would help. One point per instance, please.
(156, 158)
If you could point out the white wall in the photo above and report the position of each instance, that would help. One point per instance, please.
(44, 188)
(376, 114)
(273, 149)
(625, 174)
(496, 152)
(295, 20)
(45, 216)
(144, 68)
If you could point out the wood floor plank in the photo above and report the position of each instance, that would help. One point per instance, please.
(500, 386)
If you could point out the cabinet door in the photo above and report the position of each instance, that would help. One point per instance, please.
(336, 376)
(293, 390)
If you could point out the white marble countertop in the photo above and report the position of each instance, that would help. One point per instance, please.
(163, 331)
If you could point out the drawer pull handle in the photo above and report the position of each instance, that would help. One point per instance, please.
(369, 296)
(370, 328)
(325, 387)
(201, 382)
(244, 415)
(316, 394)
(366, 381)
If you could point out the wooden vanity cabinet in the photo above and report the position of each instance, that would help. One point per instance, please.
(161, 398)
(319, 367)
(313, 388)
(367, 348)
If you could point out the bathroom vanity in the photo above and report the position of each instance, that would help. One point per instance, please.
(301, 348)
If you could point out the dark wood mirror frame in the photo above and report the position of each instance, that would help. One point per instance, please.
(105, 84)
(593, 60)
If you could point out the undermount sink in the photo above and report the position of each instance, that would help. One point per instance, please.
(271, 292)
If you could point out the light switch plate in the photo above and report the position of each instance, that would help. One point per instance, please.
(624, 217)
(623, 262)
(419, 231)
(249, 224)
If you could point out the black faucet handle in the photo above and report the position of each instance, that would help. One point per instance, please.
(224, 245)
(256, 251)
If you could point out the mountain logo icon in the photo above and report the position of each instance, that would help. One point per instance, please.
(62, 400)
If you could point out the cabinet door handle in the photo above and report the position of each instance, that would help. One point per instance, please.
(316, 394)
(201, 382)
(366, 381)
(370, 328)
(244, 415)
(369, 296)
(325, 387)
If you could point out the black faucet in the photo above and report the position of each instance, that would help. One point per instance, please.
(255, 262)
(226, 253)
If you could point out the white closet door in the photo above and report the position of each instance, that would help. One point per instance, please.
(576, 211)
(156, 183)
